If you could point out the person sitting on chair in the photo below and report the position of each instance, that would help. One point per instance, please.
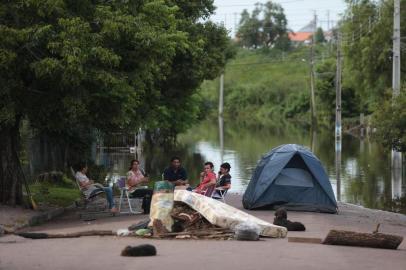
(136, 177)
(223, 180)
(89, 188)
(207, 180)
(175, 173)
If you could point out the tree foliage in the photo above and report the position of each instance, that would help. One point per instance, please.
(319, 36)
(390, 122)
(367, 30)
(265, 27)
(69, 65)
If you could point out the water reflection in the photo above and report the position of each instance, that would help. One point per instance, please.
(365, 175)
(221, 137)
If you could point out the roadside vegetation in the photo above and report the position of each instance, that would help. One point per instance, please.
(49, 194)
(74, 69)
(260, 87)
(268, 82)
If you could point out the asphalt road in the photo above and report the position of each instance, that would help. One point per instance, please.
(104, 252)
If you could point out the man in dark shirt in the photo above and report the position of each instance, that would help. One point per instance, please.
(175, 173)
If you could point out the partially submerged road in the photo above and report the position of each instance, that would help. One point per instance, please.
(104, 252)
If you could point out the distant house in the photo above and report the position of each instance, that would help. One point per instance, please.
(304, 35)
(300, 37)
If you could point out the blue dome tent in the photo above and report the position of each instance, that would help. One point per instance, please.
(290, 176)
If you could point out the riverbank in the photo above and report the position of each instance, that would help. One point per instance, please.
(206, 254)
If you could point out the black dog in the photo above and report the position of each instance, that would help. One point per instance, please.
(281, 219)
(141, 250)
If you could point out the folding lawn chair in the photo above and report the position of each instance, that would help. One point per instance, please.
(219, 194)
(124, 195)
(87, 199)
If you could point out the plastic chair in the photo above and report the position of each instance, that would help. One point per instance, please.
(208, 192)
(219, 193)
(124, 194)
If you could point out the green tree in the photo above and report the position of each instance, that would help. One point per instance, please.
(67, 65)
(275, 26)
(367, 30)
(326, 94)
(319, 36)
(390, 122)
(249, 33)
(325, 91)
(265, 27)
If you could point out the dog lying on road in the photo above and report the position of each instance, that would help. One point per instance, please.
(281, 219)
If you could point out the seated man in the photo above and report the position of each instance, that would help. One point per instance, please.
(175, 173)
(135, 177)
(223, 180)
(88, 188)
(207, 180)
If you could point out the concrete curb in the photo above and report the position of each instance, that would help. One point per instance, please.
(42, 217)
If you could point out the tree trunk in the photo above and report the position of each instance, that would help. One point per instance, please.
(10, 168)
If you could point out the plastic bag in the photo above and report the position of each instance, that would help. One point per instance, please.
(247, 231)
(123, 232)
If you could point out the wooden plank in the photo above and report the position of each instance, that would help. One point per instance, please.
(308, 240)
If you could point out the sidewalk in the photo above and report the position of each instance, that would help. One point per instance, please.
(205, 254)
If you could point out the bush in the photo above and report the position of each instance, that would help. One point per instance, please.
(390, 121)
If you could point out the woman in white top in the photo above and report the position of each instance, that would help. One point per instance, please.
(136, 177)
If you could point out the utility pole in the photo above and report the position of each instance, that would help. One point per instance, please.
(221, 95)
(312, 79)
(329, 32)
(338, 87)
(235, 23)
(396, 50)
(328, 20)
(338, 116)
(396, 156)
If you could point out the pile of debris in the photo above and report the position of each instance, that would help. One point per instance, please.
(190, 224)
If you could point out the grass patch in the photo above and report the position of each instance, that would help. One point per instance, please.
(54, 195)
(61, 195)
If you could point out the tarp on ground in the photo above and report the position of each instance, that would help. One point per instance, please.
(293, 177)
(224, 215)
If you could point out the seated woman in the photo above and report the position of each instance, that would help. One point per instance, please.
(207, 180)
(136, 177)
(223, 180)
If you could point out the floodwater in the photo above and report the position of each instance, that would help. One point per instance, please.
(366, 177)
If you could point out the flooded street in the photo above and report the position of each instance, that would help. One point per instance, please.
(366, 176)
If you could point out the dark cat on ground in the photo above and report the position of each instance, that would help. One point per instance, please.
(141, 250)
(281, 219)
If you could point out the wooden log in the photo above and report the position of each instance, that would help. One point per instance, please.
(374, 240)
(34, 235)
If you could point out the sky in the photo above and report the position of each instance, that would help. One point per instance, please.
(298, 12)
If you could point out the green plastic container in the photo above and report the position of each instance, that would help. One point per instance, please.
(163, 186)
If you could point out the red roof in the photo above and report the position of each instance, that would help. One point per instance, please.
(300, 36)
